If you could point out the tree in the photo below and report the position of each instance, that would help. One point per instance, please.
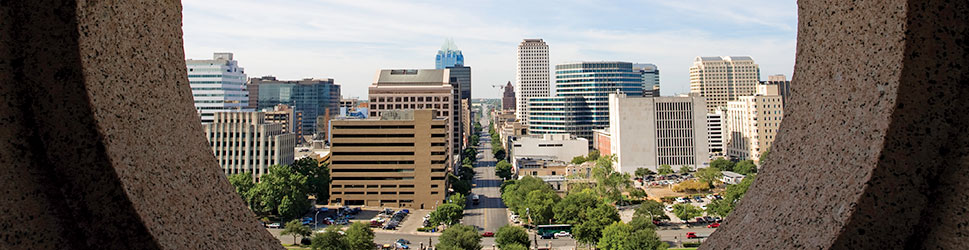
(589, 230)
(243, 184)
(643, 172)
(448, 214)
(578, 159)
(359, 236)
(645, 239)
(664, 169)
(745, 167)
(457, 237)
(731, 196)
(466, 172)
(609, 183)
(614, 237)
(641, 222)
(637, 193)
(514, 195)
(317, 177)
(722, 164)
(512, 235)
(296, 228)
(685, 169)
(331, 239)
(686, 212)
(500, 153)
(649, 209)
(572, 208)
(503, 169)
(540, 204)
(459, 185)
(292, 207)
(281, 182)
(514, 247)
(763, 157)
(457, 199)
(709, 175)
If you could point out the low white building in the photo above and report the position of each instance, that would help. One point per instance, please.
(731, 177)
(244, 142)
(561, 147)
(647, 132)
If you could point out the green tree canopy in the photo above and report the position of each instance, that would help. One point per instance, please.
(514, 247)
(578, 159)
(296, 229)
(514, 194)
(722, 164)
(503, 169)
(448, 214)
(650, 209)
(457, 199)
(458, 237)
(731, 196)
(645, 239)
(745, 167)
(641, 222)
(664, 169)
(459, 185)
(685, 169)
(359, 236)
(637, 193)
(686, 211)
(763, 157)
(317, 177)
(609, 183)
(330, 239)
(589, 230)
(244, 185)
(614, 237)
(540, 204)
(643, 172)
(511, 235)
(709, 175)
(282, 192)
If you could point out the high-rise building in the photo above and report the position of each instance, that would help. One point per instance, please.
(752, 123)
(243, 142)
(783, 85)
(461, 80)
(723, 79)
(291, 120)
(218, 85)
(647, 132)
(313, 98)
(581, 104)
(650, 76)
(716, 132)
(399, 159)
(448, 56)
(418, 89)
(508, 97)
(531, 75)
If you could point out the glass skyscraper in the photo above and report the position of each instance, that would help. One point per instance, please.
(218, 85)
(448, 56)
(313, 98)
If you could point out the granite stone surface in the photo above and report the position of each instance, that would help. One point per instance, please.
(100, 145)
(872, 153)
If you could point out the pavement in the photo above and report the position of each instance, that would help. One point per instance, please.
(491, 213)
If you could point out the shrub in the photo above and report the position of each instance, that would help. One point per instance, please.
(691, 244)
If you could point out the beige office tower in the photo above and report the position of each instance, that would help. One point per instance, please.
(723, 79)
(752, 123)
(531, 76)
(244, 142)
(418, 89)
(399, 160)
(291, 120)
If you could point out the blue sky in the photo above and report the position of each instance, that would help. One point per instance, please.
(349, 40)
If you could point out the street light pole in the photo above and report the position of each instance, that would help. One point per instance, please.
(316, 219)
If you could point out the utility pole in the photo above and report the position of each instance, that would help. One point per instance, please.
(534, 236)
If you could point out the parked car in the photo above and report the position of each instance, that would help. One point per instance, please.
(548, 236)
(403, 241)
(391, 225)
(388, 211)
(691, 235)
(710, 197)
(376, 223)
(713, 225)
(562, 234)
(273, 225)
(488, 234)
(669, 208)
(698, 199)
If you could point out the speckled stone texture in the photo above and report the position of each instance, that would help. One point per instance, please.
(873, 150)
(100, 146)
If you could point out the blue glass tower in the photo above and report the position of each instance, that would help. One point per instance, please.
(448, 56)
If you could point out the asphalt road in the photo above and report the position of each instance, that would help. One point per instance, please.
(491, 213)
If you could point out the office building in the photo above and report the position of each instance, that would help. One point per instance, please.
(316, 99)
(602, 141)
(448, 56)
(398, 160)
(508, 97)
(418, 89)
(647, 132)
(243, 142)
(291, 120)
(461, 80)
(650, 77)
(581, 104)
(716, 133)
(218, 85)
(752, 123)
(547, 147)
(531, 75)
(783, 85)
(723, 79)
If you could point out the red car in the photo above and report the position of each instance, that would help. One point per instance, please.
(488, 234)
(691, 235)
(713, 225)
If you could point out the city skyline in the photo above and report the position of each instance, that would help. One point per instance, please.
(295, 41)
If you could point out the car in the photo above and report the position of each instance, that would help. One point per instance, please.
(388, 211)
(390, 226)
(273, 225)
(562, 234)
(710, 197)
(406, 211)
(669, 208)
(488, 234)
(402, 241)
(700, 220)
(698, 199)
(681, 200)
(548, 236)
(703, 207)
(713, 225)
(401, 246)
(691, 235)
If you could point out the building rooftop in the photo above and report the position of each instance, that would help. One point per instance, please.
(411, 76)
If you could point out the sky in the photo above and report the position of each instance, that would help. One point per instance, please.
(349, 40)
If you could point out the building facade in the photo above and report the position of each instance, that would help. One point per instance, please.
(531, 75)
(752, 123)
(418, 89)
(243, 142)
(650, 77)
(508, 97)
(783, 85)
(547, 147)
(581, 104)
(316, 99)
(448, 56)
(647, 132)
(291, 120)
(399, 160)
(218, 85)
(723, 79)
(716, 132)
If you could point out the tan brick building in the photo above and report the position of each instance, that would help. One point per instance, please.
(723, 79)
(752, 123)
(399, 160)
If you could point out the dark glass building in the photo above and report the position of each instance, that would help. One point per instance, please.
(316, 99)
